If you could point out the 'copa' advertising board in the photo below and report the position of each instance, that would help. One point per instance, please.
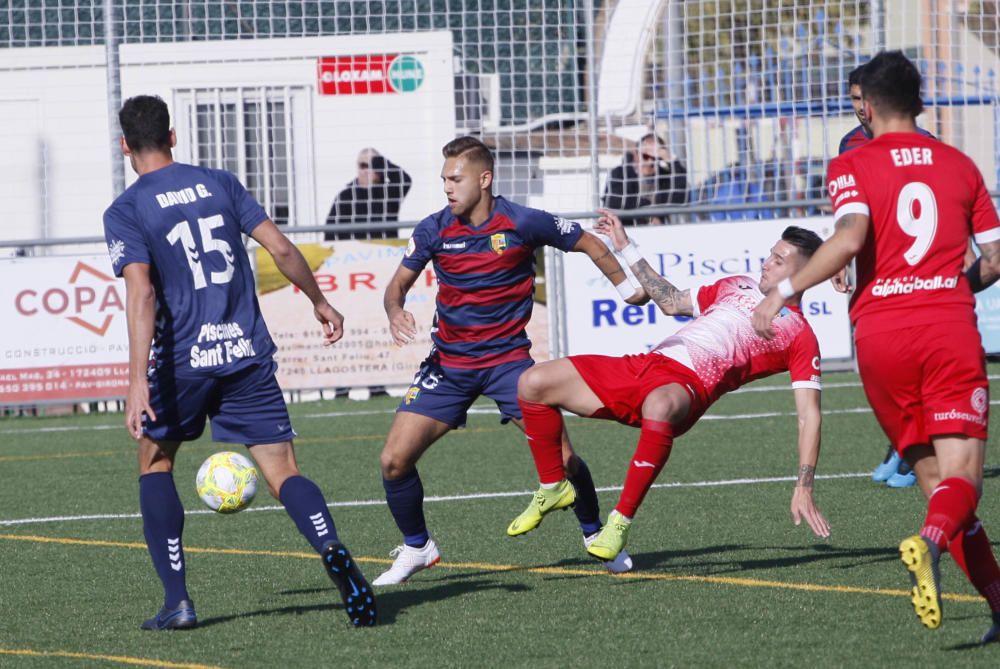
(689, 256)
(65, 337)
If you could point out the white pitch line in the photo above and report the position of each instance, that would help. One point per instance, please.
(481, 409)
(486, 409)
(437, 498)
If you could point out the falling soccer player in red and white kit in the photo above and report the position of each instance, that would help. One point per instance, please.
(905, 206)
(665, 392)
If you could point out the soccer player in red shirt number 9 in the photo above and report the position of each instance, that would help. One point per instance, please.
(905, 206)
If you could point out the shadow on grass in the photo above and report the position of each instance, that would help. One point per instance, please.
(796, 556)
(390, 603)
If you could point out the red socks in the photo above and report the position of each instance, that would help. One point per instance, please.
(950, 509)
(543, 426)
(973, 554)
(655, 441)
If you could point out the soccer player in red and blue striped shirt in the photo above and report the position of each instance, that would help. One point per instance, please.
(483, 251)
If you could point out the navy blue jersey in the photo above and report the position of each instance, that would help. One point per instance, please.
(185, 222)
(486, 279)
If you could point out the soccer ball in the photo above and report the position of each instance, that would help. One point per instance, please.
(227, 482)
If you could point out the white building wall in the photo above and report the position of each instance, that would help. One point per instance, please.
(55, 167)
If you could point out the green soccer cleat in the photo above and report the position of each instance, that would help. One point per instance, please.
(612, 539)
(921, 558)
(545, 500)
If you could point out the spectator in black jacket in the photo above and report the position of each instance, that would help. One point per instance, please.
(649, 175)
(374, 196)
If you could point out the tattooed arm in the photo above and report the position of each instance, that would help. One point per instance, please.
(606, 261)
(670, 299)
(807, 406)
(985, 271)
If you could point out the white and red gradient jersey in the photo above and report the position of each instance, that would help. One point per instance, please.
(721, 347)
(924, 199)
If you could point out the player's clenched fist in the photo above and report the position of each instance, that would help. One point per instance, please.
(402, 327)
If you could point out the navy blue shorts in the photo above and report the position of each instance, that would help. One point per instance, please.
(244, 408)
(446, 393)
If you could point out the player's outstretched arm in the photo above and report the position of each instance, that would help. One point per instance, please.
(290, 262)
(671, 300)
(985, 271)
(831, 257)
(807, 406)
(140, 315)
(402, 325)
(606, 261)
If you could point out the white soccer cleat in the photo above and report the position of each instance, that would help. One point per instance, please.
(622, 562)
(409, 561)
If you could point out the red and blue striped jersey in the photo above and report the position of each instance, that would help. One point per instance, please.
(486, 279)
(859, 136)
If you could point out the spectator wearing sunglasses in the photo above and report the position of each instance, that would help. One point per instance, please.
(649, 175)
(373, 196)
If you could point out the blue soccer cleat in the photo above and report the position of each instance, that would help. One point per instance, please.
(900, 480)
(359, 600)
(181, 617)
(888, 467)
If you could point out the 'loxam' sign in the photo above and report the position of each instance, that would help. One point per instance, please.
(369, 75)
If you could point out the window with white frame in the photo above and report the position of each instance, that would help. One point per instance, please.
(260, 134)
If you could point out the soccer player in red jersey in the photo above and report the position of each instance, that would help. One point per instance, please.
(905, 206)
(664, 392)
(482, 247)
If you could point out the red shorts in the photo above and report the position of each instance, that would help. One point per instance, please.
(926, 381)
(622, 384)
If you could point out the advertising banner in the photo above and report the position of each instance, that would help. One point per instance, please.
(354, 275)
(598, 321)
(64, 335)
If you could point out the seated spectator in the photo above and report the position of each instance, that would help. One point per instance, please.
(649, 175)
(374, 196)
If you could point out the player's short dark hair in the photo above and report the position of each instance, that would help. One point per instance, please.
(854, 77)
(145, 123)
(806, 241)
(471, 148)
(891, 83)
(653, 136)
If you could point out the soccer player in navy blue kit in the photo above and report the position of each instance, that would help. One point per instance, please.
(176, 236)
(482, 248)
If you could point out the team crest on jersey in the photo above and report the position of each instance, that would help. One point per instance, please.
(116, 249)
(498, 242)
(411, 395)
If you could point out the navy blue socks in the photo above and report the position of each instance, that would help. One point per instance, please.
(305, 503)
(163, 524)
(405, 497)
(587, 509)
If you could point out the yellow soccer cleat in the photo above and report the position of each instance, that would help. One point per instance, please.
(921, 559)
(544, 501)
(612, 539)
